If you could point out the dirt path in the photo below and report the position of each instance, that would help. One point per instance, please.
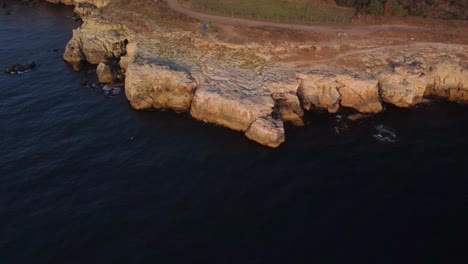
(361, 30)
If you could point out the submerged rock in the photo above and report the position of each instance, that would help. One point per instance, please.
(355, 117)
(385, 134)
(18, 68)
(14, 68)
(340, 126)
(107, 87)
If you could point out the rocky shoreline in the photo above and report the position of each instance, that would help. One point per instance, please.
(252, 87)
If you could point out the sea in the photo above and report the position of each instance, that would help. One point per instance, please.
(84, 178)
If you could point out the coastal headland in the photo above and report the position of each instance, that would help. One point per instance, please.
(255, 76)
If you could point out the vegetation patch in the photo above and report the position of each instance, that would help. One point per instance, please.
(302, 11)
(445, 9)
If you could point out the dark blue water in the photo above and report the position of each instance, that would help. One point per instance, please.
(86, 179)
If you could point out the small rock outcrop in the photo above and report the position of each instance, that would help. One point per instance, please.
(96, 41)
(232, 108)
(267, 131)
(85, 9)
(149, 85)
(361, 94)
(18, 68)
(403, 84)
(132, 50)
(104, 73)
(319, 91)
(448, 80)
(287, 104)
(330, 91)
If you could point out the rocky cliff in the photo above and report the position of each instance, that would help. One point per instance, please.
(97, 41)
(252, 87)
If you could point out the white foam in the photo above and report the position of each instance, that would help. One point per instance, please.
(385, 134)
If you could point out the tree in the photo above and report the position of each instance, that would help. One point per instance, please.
(375, 7)
(346, 2)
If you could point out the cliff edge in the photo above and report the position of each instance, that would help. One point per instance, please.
(255, 79)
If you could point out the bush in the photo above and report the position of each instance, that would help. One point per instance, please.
(351, 3)
(375, 7)
(396, 8)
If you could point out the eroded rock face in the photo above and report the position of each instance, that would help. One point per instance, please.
(319, 91)
(329, 91)
(132, 50)
(287, 103)
(361, 94)
(403, 84)
(96, 41)
(267, 131)
(85, 9)
(289, 107)
(235, 109)
(448, 80)
(149, 85)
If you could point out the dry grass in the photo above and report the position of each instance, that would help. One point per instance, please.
(277, 10)
(143, 15)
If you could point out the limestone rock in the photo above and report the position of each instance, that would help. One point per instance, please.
(267, 131)
(355, 117)
(359, 93)
(319, 91)
(132, 49)
(85, 9)
(96, 41)
(404, 85)
(104, 73)
(289, 108)
(329, 91)
(448, 80)
(287, 103)
(150, 85)
(232, 108)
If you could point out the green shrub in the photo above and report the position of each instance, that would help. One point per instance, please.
(396, 8)
(375, 7)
